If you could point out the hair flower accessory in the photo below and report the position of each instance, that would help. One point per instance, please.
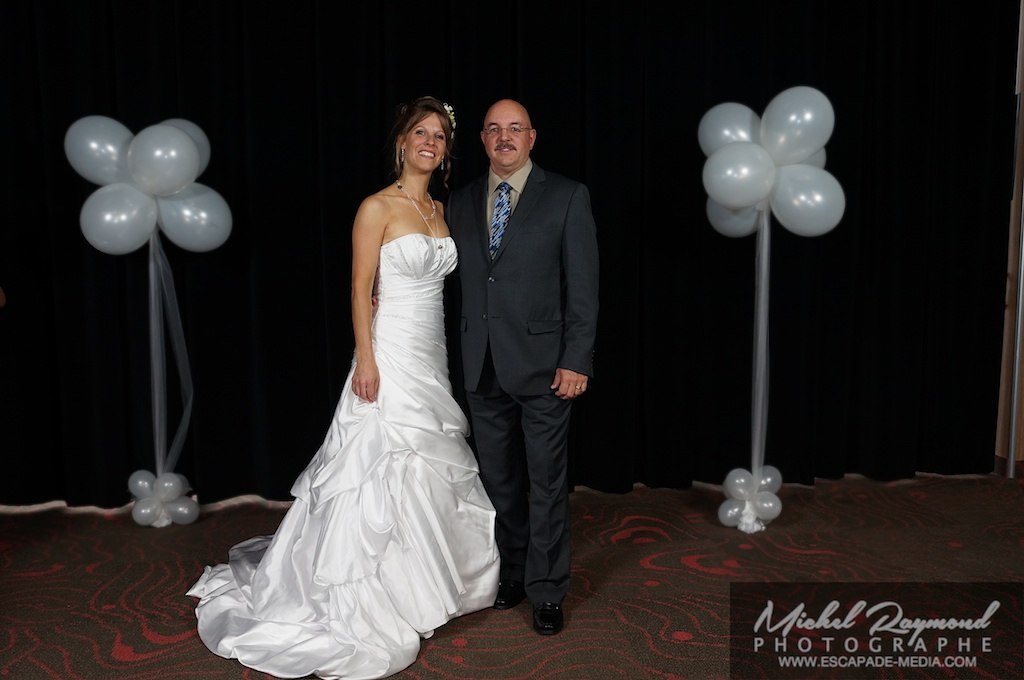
(451, 114)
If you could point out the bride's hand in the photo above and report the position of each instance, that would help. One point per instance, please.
(366, 380)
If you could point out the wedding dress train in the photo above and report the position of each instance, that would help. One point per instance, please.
(390, 533)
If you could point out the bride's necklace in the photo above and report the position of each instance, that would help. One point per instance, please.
(429, 221)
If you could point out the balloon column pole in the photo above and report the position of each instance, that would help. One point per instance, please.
(759, 418)
(148, 180)
(752, 498)
(758, 166)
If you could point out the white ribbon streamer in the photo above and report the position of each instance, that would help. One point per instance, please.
(163, 303)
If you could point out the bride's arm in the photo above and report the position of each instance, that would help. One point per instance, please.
(367, 237)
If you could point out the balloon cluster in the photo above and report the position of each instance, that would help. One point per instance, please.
(751, 503)
(161, 500)
(145, 180)
(778, 159)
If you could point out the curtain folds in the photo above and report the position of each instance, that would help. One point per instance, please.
(885, 336)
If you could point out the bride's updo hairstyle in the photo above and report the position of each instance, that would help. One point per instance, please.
(410, 115)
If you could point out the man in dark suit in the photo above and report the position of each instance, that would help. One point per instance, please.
(528, 273)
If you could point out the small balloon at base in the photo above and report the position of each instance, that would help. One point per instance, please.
(168, 486)
(140, 484)
(739, 483)
(147, 511)
(767, 506)
(183, 510)
(771, 479)
(730, 511)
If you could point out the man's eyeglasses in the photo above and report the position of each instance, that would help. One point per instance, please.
(514, 130)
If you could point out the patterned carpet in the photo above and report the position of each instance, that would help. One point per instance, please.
(87, 594)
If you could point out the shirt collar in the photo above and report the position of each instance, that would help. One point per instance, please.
(517, 180)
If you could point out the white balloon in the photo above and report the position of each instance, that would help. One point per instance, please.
(146, 511)
(807, 200)
(167, 486)
(731, 511)
(163, 159)
(97, 148)
(140, 483)
(739, 175)
(740, 483)
(771, 479)
(817, 159)
(727, 123)
(795, 124)
(732, 223)
(196, 218)
(767, 506)
(182, 510)
(198, 136)
(118, 218)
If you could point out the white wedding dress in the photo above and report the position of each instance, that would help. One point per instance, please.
(390, 533)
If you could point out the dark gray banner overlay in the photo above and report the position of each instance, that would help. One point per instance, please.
(873, 631)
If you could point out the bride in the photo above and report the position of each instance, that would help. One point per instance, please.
(390, 534)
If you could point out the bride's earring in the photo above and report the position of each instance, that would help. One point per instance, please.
(401, 156)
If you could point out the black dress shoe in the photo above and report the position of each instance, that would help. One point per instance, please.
(547, 618)
(510, 593)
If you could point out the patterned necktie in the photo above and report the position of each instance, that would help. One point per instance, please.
(502, 209)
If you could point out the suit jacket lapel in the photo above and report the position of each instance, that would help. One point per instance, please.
(478, 199)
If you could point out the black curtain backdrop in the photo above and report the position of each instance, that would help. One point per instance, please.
(885, 333)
